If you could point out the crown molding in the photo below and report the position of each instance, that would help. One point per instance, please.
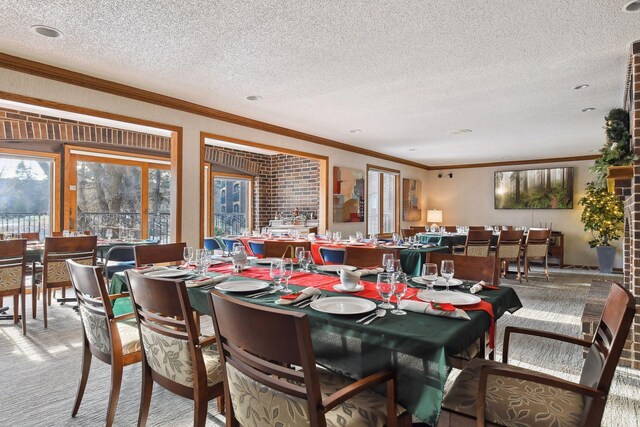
(517, 162)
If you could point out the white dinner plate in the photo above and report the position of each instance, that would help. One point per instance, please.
(335, 268)
(340, 287)
(169, 273)
(343, 305)
(242, 286)
(267, 261)
(452, 282)
(455, 298)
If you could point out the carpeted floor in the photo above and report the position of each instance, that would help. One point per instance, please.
(39, 373)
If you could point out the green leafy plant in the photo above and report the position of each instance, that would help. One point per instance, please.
(603, 215)
(617, 149)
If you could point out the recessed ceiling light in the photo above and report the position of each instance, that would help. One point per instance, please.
(459, 131)
(45, 31)
(355, 131)
(632, 6)
(254, 97)
(586, 110)
(581, 87)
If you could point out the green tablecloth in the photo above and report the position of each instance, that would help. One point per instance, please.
(412, 259)
(416, 346)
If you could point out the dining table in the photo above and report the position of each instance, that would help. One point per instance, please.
(35, 250)
(450, 239)
(416, 346)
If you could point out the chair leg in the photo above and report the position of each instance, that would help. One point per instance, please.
(34, 300)
(46, 299)
(86, 364)
(526, 270)
(50, 295)
(145, 395)
(220, 403)
(546, 267)
(200, 412)
(15, 309)
(518, 269)
(392, 414)
(114, 393)
(24, 313)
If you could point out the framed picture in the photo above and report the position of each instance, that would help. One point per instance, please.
(348, 194)
(411, 206)
(549, 188)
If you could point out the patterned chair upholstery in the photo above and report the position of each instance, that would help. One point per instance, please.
(174, 356)
(501, 394)
(12, 274)
(509, 249)
(275, 382)
(478, 243)
(112, 339)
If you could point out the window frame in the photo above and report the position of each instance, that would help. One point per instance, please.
(210, 176)
(383, 170)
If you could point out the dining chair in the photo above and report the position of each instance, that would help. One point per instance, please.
(55, 273)
(119, 258)
(362, 256)
(211, 243)
(331, 255)
(257, 247)
(280, 248)
(476, 228)
(272, 377)
(469, 267)
(509, 249)
(229, 242)
(30, 236)
(57, 234)
(408, 232)
(174, 355)
(159, 254)
(536, 248)
(478, 243)
(13, 270)
(451, 228)
(488, 392)
(111, 339)
(418, 228)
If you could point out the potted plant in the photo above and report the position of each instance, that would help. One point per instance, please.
(603, 216)
(617, 148)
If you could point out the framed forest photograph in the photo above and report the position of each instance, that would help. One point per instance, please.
(549, 188)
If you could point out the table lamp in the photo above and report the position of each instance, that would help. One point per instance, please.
(434, 216)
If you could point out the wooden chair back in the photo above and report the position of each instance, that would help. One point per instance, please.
(418, 228)
(537, 243)
(167, 328)
(478, 243)
(469, 267)
(30, 236)
(159, 254)
(283, 248)
(331, 255)
(57, 250)
(450, 229)
(252, 351)
(607, 345)
(13, 270)
(509, 244)
(362, 257)
(408, 232)
(476, 227)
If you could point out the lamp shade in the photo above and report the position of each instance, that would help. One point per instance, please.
(434, 215)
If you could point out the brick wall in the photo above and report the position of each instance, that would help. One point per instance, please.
(20, 125)
(283, 183)
(632, 354)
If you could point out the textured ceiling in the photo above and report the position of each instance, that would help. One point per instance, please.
(404, 72)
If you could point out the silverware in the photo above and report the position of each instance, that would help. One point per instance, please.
(379, 313)
(366, 317)
(310, 300)
(261, 294)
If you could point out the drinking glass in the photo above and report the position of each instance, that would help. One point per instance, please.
(327, 235)
(359, 236)
(387, 262)
(187, 254)
(305, 260)
(385, 286)
(237, 248)
(395, 238)
(287, 272)
(337, 236)
(429, 274)
(443, 230)
(108, 234)
(298, 252)
(399, 289)
(446, 270)
(395, 266)
(373, 239)
(276, 271)
(198, 261)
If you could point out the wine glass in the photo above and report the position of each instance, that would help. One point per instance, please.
(206, 261)
(387, 262)
(276, 271)
(399, 289)
(337, 236)
(373, 239)
(187, 254)
(108, 234)
(429, 274)
(385, 286)
(298, 252)
(395, 238)
(287, 272)
(305, 260)
(446, 270)
(359, 236)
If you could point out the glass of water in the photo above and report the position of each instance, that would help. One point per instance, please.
(447, 270)
(399, 289)
(429, 274)
(387, 262)
(385, 286)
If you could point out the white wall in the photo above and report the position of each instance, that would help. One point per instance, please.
(467, 199)
(28, 85)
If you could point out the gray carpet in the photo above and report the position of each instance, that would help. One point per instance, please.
(39, 373)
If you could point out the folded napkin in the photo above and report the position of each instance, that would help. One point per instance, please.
(150, 268)
(429, 308)
(368, 271)
(480, 286)
(297, 297)
(207, 281)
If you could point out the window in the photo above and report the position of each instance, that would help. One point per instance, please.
(383, 203)
(232, 199)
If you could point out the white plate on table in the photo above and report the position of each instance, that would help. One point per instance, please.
(335, 268)
(242, 286)
(169, 274)
(267, 261)
(343, 305)
(455, 298)
(341, 288)
(452, 282)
